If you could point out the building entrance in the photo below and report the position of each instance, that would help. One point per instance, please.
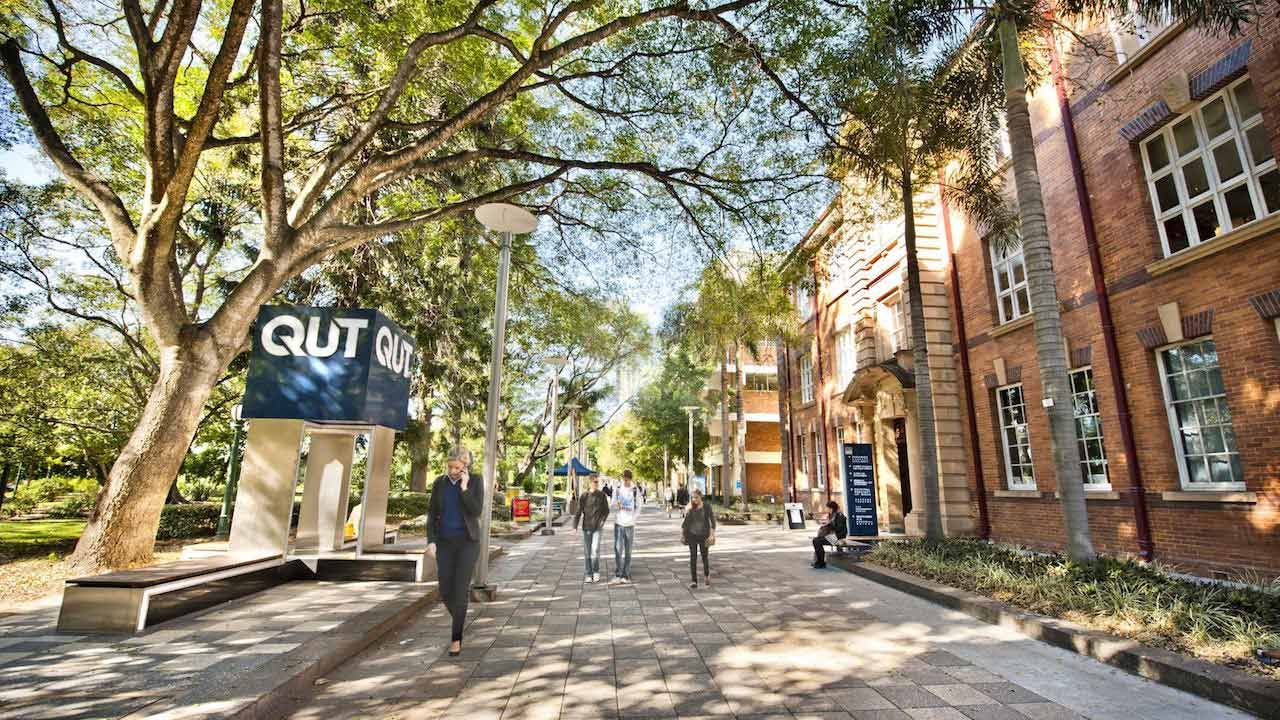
(904, 464)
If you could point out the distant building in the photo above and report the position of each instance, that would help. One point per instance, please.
(754, 420)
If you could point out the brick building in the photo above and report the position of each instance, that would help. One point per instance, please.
(851, 380)
(755, 431)
(1164, 212)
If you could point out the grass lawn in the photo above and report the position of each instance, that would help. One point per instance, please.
(37, 537)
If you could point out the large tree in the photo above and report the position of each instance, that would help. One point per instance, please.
(345, 122)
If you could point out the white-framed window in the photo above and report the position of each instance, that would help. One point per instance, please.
(846, 357)
(1199, 418)
(804, 302)
(893, 326)
(819, 466)
(1009, 273)
(762, 381)
(1015, 438)
(840, 454)
(1211, 170)
(1084, 404)
(1132, 32)
(802, 463)
(806, 379)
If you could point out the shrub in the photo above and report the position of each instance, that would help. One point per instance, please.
(408, 504)
(528, 485)
(1212, 621)
(200, 489)
(191, 520)
(78, 493)
(76, 506)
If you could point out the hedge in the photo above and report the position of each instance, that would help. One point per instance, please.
(408, 504)
(191, 520)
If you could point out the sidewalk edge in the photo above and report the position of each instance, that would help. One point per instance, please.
(1212, 682)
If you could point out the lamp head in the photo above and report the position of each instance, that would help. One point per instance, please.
(504, 217)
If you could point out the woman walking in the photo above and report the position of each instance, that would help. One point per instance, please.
(698, 531)
(453, 535)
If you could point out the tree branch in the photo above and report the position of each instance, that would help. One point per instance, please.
(88, 184)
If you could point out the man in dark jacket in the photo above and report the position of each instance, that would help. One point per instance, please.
(838, 526)
(453, 535)
(592, 510)
(682, 498)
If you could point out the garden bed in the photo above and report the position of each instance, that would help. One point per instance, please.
(1217, 623)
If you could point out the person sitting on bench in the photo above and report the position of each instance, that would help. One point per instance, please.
(832, 531)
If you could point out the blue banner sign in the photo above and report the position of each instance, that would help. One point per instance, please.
(860, 490)
(329, 365)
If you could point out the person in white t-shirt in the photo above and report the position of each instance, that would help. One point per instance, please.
(626, 506)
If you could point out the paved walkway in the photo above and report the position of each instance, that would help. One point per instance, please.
(771, 639)
(209, 663)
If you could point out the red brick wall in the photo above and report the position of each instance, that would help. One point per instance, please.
(764, 479)
(1201, 536)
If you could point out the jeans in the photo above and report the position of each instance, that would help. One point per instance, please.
(455, 559)
(698, 543)
(623, 537)
(819, 550)
(591, 550)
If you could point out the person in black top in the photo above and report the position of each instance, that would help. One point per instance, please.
(682, 498)
(591, 513)
(453, 535)
(698, 531)
(836, 525)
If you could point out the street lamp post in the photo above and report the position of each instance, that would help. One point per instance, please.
(691, 409)
(555, 362)
(575, 451)
(233, 472)
(506, 219)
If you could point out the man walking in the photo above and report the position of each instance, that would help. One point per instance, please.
(453, 535)
(626, 502)
(682, 498)
(593, 508)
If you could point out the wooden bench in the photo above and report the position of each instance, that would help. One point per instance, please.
(128, 601)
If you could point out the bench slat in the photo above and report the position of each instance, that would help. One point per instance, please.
(168, 572)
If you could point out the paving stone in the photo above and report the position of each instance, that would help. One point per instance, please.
(1008, 693)
(911, 697)
(936, 713)
(1046, 711)
(991, 712)
(959, 694)
(852, 699)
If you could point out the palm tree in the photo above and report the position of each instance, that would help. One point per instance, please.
(904, 117)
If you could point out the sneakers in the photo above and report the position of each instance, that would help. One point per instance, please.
(693, 585)
(587, 579)
(595, 577)
(616, 581)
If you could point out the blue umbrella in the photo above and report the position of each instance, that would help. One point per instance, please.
(578, 469)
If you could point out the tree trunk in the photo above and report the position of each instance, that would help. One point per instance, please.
(4, 483)
(920, 369)
(122, 527)
(1051, 352)
(420, 449)
(784, 421)
(724, 428)
(174, 496)
(740, 429)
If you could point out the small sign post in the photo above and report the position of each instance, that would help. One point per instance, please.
(795, 515)
(520, 509)
(860, 490)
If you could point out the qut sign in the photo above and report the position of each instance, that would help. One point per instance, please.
(329, 365)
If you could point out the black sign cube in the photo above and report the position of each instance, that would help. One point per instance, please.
(329, 365)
